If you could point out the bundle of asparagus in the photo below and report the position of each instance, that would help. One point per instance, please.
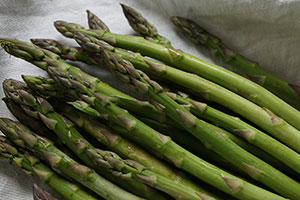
(170, 147)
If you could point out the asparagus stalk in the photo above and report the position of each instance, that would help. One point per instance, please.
(159, 144)
(219, 75)
(43, 58)
(249, 69)
(23, 137)
(261, 116)
(63, 128)
(220, 143)
(40, 194)
(32, 166)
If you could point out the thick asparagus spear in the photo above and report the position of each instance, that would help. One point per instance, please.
(63, 128)
(159, 144)
(261, 116)
(40, 194)
(219, 75)
(249, 69)
(32, 166)
(220, 143)
(23, 137)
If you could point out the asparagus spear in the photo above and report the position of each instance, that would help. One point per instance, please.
(63, 128)
(23, 137)
(43, 58)
(249, 69)
(32, 166)
(159, 144)
(142, 26)
(219, 75)
(261, 116)
(36, 126)
(220, 143)
(40, 194)
(47, 88)
(95, 22)
(129, 168)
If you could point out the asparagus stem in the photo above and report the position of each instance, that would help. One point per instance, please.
(219, 75)
(64, 129)
(40, 194)
(249, 69)
(220, 143)
(161, 145)
(32, 166)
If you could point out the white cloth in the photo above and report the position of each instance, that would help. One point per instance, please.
(266, 31)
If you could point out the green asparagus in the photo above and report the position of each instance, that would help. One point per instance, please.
(23, 137)
(246, 131)
(95, 22)
(63, 128)
(43, 58)
(263, 117)
(142, 26)
(47, 88)
(219, 75)
(32, 166)
(159, 144)
(218, 142)
(249, 69)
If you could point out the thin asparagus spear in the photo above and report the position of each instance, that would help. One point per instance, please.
(23, 137)
(40, 194)
(63, 128)
(261, 116)
(249, 69)
(220, 143)
(161, 145)
(32, 166)
(219, 75)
